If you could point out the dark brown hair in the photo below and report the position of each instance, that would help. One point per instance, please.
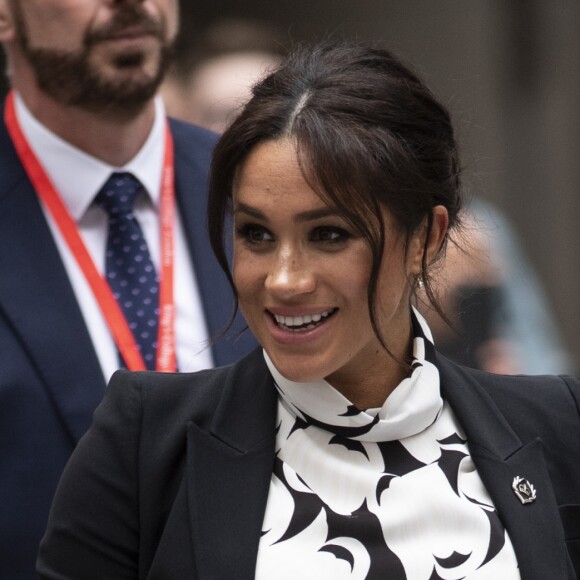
(369, 133)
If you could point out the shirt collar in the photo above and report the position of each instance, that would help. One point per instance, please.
(78, 176)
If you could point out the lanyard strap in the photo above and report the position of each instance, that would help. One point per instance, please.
(124, 339)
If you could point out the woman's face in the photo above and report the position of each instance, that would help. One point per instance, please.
(302, 275)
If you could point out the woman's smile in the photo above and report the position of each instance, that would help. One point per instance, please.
(299, 330)
(302, 322)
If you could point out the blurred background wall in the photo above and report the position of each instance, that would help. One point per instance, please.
(509, 70)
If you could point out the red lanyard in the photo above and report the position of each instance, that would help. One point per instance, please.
(109, 307)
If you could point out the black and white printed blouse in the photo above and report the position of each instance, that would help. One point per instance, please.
(389, 493)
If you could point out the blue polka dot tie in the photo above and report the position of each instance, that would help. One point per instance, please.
(128, 266)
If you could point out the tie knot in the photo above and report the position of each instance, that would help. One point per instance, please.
(116, 197)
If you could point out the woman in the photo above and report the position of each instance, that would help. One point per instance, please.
(347, 448)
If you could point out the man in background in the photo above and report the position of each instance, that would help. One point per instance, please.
(103, 254)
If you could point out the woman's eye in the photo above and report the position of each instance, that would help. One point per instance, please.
(254, 234)
(330, 235)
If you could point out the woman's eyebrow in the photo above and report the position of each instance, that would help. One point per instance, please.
(249, 210)
(315, 214)
(303, 216)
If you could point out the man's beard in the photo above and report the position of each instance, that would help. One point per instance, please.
(71, 79)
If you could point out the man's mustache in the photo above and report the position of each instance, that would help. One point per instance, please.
(127, 17)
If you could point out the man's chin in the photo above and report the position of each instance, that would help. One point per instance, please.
(121, 98)
(120, 94)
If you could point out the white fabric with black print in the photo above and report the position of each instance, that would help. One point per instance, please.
(376, 494)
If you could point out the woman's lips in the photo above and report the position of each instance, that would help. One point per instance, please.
(295, 329)
(302, 322)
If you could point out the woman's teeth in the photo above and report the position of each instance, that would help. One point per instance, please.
(306, 322)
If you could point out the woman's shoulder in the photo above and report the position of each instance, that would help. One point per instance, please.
(544, 405)
(534, 387)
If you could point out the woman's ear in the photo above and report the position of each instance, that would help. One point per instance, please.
(429, 242)
(6, 22)
(438, 232)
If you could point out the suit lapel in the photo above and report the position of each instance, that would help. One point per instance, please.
(228, 474)
(499, 455)
(38, 302)
(191, 190)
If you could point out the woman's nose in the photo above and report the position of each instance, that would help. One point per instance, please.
(290, 276)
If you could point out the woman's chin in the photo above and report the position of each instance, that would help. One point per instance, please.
(294, 370)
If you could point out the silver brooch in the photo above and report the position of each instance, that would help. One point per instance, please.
(524, 490)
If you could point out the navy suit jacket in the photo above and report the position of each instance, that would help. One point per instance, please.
(172, 480)
(50, 378)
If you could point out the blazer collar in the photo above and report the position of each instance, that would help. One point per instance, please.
(500, 456)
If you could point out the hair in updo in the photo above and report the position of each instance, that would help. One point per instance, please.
(369, 133)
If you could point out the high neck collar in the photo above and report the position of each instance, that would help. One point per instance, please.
(410, 408)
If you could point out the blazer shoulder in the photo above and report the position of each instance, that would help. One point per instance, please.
(535, 388)
(531, 389)
(546, 406)
(177, 398)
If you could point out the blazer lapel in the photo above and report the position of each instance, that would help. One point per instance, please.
(500, 456)
(229, 469)
(191, 190)
(38, 302)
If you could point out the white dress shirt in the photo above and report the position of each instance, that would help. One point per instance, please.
(78, 177)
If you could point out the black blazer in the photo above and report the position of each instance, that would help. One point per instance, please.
(50, 377)
(171, 482)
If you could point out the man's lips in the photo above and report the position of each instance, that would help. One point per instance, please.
(129, 34)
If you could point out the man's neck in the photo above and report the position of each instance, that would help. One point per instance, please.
(111, 137)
